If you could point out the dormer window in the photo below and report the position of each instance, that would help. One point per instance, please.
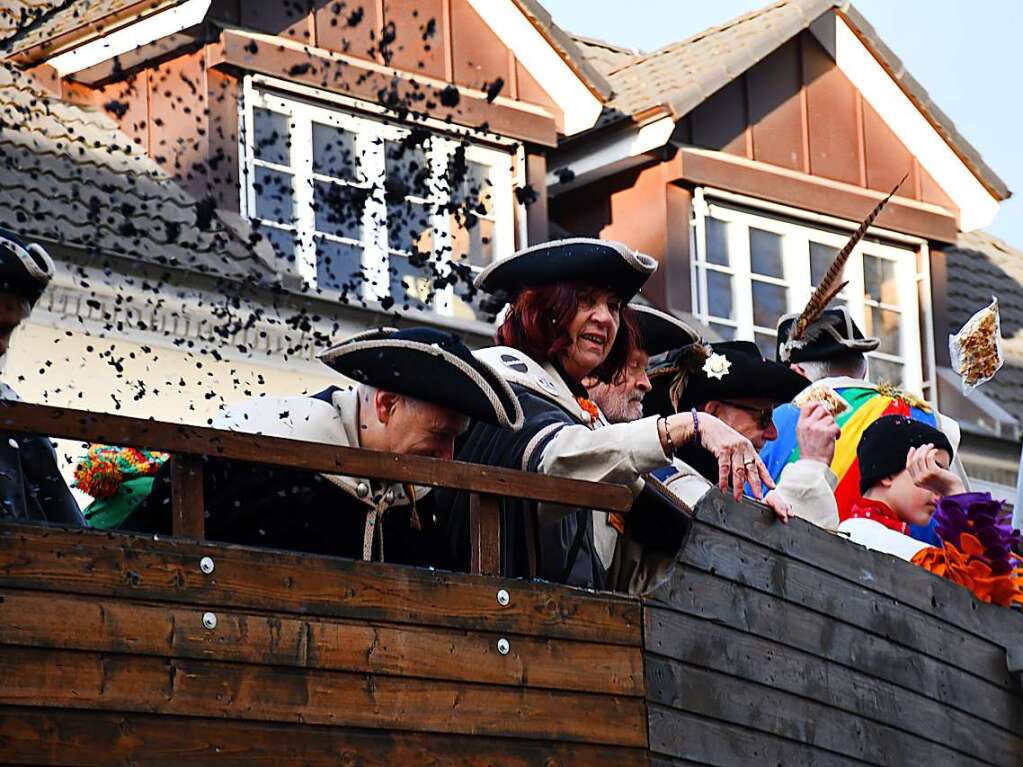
(751, 266)
(372, 211)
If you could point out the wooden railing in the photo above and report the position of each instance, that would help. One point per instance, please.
(188, 444)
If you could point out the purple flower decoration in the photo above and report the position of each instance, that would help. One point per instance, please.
(977, 514)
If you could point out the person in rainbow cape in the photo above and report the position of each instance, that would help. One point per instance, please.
(827, 347)
(833, 356)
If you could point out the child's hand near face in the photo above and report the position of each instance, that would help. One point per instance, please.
(928, 468)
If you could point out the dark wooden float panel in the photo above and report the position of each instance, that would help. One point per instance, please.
(784, 644)
(313, 660)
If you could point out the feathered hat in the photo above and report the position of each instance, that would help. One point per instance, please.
(797, 332)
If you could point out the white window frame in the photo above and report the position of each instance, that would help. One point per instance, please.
(370, 135)
(797, 235)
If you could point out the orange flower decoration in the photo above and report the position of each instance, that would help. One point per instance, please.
(955, 565)
(590, 407)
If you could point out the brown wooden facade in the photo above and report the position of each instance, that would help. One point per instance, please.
(791, 130)
(178, 98)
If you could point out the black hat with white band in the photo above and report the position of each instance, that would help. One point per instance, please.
(429, 365)
(578, 259)
(25, 269)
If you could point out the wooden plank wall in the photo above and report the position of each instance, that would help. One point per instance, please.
(788, 645)
(106, 659)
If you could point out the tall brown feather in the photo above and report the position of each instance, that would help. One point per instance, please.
(827, 289)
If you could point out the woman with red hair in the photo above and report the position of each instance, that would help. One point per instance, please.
(567, 321)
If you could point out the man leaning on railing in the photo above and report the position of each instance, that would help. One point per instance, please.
(417, 390)
(31, 486)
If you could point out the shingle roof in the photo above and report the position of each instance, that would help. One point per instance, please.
(979, 267)
(604, 56)
(681, 76)
(69, 175)
(25, 23)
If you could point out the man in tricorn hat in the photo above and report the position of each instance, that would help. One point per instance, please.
(732, 381)
(831, 353)
(31, 486)
(417, 390)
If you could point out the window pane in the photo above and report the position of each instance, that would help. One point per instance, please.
(769, 303)
(334, 152)
(468, 184)
(879, 280)
(765, 253)
(821, 257)
(282, 241)
(884, 324)
(472, 238)
(339, 267)
(407, 168)
(338, 209)
(727, 332)
(411, 285)
(717, 242)
(409, 227)
(719, 295)
(767, 345)
(884, 370)
(272, 141)
(274, 199)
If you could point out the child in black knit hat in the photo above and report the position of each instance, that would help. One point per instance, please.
(904, 471)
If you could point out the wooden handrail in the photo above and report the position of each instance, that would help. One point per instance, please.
(67, 423)
(189, 443)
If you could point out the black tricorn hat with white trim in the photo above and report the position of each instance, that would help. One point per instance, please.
(429, 365)
(25, 269)
(660, 332)
(578, 259)
(831, 335)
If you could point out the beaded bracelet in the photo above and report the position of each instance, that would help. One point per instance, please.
(696, 426)
(667, 438)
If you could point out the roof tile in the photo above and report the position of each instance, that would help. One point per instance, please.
(69, 175)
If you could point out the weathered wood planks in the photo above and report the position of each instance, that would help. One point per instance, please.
(71, 738)
(109, 656)
(113, 564)
(785, 644)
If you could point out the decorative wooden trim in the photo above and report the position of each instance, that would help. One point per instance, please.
(365, 80)
(705, 168)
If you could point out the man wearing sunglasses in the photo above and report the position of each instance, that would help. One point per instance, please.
(738, 386)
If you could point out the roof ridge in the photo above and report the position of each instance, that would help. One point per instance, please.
(671, 47)
(596, 41)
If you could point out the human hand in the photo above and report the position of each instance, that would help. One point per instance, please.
(816, 433)
(779, 506)
(924, 470)
(738, 461)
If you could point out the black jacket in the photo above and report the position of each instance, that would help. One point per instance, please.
(31, 486)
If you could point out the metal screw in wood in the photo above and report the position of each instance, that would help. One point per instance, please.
(206, 565)
(209, 620)
(503, 646)
(503, 598)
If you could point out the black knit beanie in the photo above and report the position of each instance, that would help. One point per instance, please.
(884, 444)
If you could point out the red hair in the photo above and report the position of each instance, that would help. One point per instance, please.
(538, 320)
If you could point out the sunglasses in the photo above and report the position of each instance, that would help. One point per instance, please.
(763, 418)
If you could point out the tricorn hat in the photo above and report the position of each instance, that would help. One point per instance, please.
(660, 332)
(578, 259)
(831, 335)
(429, 365)
(731, 370)
(25, 269)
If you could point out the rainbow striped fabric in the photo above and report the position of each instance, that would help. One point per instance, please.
(866, 405)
